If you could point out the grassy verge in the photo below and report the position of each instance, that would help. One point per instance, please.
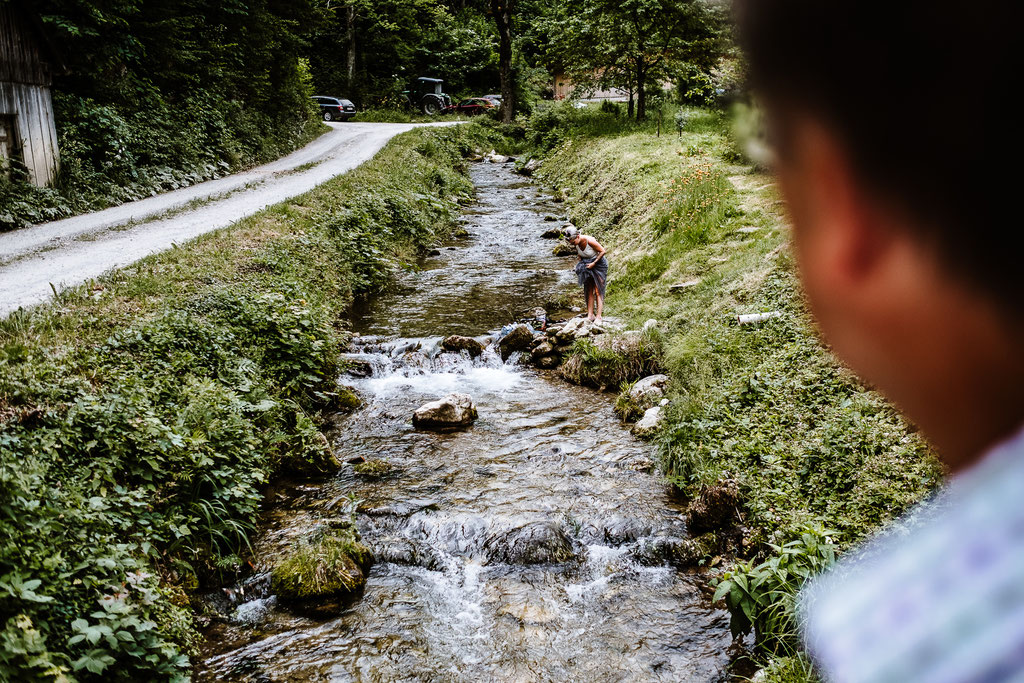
(142, 415)
(695, 238)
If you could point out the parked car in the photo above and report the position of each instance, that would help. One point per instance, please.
(496, 99)
(335, 108)
(471, 107)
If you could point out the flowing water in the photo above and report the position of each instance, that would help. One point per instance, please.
(459, 529)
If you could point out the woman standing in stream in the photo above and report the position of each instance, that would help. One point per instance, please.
(591, 269)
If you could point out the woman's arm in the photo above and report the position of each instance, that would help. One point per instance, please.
(597, 247)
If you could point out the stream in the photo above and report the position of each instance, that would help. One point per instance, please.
(457, 593)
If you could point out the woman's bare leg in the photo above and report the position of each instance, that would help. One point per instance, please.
(600, 305)
(590, 303)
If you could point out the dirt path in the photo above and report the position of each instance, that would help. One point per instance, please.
(54, 256)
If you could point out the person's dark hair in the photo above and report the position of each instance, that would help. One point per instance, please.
(919, 95)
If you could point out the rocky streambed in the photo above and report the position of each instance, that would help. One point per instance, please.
(535, 543)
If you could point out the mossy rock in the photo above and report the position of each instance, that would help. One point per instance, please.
(347, 399)
(610, 360)
(374, 468)
(564, 249)
(323, 573)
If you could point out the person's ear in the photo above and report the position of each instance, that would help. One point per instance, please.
(838, 228)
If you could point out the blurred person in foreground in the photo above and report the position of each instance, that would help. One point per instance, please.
(898, 156)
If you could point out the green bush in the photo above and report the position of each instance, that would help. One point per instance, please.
(763, 596)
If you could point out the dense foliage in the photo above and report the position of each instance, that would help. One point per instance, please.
(142, 417)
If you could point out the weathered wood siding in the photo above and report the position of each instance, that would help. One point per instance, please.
(34, 128)
(25, 78)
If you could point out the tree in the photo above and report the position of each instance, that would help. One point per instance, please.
(503, 12)
(633, 43)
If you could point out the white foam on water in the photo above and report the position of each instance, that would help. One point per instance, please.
(468, 380)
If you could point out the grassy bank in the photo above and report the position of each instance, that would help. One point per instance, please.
(142, 415)
(695, 238)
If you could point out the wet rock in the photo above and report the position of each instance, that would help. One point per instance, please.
(496, 158)
(345, 399)
(434, 252)
(457, 344)
(564, 249)
(373, 469)
(551, 234)
(533, 543)
(529, 167)
(616, 531)
(451, 412)
(405, 508)
(567, 332)
(405, 552)
(518, 338)
(549, 218)
(548, 362)
(324, 572)
(679, 552)
(716, 507)
(647, 426)
(648, 391)
(357, 367)
(545, 348)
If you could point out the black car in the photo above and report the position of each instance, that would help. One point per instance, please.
(335, 108)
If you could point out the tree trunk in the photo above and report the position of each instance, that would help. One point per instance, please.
(631, 108)
(641, 93)
(502, 10)
(350, 39)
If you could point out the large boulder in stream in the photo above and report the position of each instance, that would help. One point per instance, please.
(519, 338)
(324, 572)
(457, 343)
(533, 543)
(454, 411)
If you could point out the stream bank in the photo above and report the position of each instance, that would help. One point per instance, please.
(532, 546)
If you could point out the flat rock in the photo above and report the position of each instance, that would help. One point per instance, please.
(457, 343)
(454, 411)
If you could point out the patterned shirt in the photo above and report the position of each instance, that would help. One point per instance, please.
(939, 597)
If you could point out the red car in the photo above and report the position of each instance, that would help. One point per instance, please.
(470, 107)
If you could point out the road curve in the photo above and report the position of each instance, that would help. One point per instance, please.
(37, 260)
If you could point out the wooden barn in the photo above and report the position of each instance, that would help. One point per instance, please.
(27, 65)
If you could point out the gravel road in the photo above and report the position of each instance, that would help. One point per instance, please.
(36, 260)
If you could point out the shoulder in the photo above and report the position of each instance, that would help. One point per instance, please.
(895, 610)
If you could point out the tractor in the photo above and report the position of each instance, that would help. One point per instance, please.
(425, 95)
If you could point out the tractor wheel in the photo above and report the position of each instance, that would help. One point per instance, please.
(431, 106)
